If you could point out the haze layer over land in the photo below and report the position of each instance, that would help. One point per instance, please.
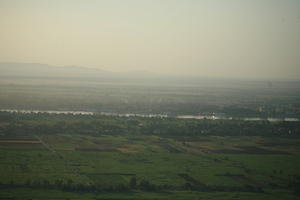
(245, 39)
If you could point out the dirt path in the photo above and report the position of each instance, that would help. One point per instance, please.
(44, 144)
(72, 169)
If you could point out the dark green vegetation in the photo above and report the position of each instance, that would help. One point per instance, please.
(98, 157)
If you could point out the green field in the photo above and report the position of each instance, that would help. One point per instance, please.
(131, 165)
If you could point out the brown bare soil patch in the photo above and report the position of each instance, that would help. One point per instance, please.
(127, 150)
(95, 149)
(4, 123)
(22, 145)
(21, 141)
(192, 150)
(136, 146)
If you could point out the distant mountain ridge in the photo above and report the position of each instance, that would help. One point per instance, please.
(45, 70)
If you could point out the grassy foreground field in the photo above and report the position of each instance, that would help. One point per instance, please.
(85, 165)
(136, 195)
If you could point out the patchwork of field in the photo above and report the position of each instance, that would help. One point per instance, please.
(25, 142)
(150, 167)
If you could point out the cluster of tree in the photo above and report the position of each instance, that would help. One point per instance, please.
(20, 124)
(143, 185)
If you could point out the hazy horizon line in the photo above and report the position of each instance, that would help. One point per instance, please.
(153, 73)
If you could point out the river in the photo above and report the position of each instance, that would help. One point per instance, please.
(200, 117)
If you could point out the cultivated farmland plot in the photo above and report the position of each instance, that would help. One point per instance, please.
(143, 165)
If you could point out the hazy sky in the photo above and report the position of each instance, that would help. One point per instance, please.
(223, 38)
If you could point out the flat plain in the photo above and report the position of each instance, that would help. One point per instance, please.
(107, 163)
